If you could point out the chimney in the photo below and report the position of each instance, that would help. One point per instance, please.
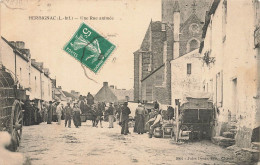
(176, 30)
(59, 87)
(20, 44)
(105, 84)
(112, 86)
(27, 53)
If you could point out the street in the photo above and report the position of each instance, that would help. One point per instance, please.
(55, 144)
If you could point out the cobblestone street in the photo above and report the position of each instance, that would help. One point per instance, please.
(55, 144)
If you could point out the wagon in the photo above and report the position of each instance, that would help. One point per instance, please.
(196, 116)
(11, 113)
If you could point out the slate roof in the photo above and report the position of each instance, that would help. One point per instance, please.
(105, 94)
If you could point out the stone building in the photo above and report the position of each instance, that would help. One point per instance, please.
(152, 67)
(231, 56)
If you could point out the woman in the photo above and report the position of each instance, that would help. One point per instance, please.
(76, 115)
(139, 119)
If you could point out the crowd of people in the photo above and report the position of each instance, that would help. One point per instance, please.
(146, 120)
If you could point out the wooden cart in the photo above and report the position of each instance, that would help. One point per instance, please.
(11, 113)
(196, 119)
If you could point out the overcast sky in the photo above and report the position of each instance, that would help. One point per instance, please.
(46, 38)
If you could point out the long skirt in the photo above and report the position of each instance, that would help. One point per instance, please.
(146, 126)
(49, 119)
(139, 123)
(76, 119)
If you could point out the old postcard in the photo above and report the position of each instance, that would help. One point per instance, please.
(111, 82)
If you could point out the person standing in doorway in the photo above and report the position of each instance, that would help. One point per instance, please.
(125, 119)
(110, 112)
(68, 115)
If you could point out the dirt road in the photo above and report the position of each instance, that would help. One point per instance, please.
(55, 144)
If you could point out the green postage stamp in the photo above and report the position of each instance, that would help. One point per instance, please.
(89, 47)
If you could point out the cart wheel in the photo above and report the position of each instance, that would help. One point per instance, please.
(16, 125)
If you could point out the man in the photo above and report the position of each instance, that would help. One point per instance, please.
(99, 115)
(28, 112)
(125, 118)
(170, 112)
(68, 114)
(59, 112)
(50, 108)
(110, 112)
(157, 123)
(54, 113)
(156, 105)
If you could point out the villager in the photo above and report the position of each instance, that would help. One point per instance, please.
(68, 115)
(125, 119)
(94, 114)
(27, 112)
(90, 99)
(156, 105)
(81, 105)
(50, 108)
(110, 112)
(76, 115)
(146, 118)
(100, 114)
(170, 112)
(59, 112)
(157, 123)
(44, 112)
(37, 119)
(54, 113)
(139, 119)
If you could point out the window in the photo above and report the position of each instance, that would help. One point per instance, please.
(219, 89)
(194, 28)
(29, 78)
(188, 69)
(224, 20)
(35, 84)
(163, 27)
(192, 45)
(21, 74)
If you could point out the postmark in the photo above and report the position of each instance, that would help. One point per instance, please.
(89, 47)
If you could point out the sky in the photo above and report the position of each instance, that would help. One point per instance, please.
(46, 38)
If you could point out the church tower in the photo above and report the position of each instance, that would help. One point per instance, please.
(176, 30)
(167, 10)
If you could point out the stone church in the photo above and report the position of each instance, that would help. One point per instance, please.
(178, 33)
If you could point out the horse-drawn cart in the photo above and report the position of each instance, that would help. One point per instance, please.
(11, 113)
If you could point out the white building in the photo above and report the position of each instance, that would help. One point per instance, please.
(186, 75)
(231, 66)
(30, 74)
(16, 61)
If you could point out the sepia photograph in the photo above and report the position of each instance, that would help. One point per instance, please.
(129, 82)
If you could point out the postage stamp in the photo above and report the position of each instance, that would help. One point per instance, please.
(89, 47)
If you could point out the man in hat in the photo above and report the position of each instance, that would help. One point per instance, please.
(68, 114)
(110, 113)
(125, 119)
(157, 122)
